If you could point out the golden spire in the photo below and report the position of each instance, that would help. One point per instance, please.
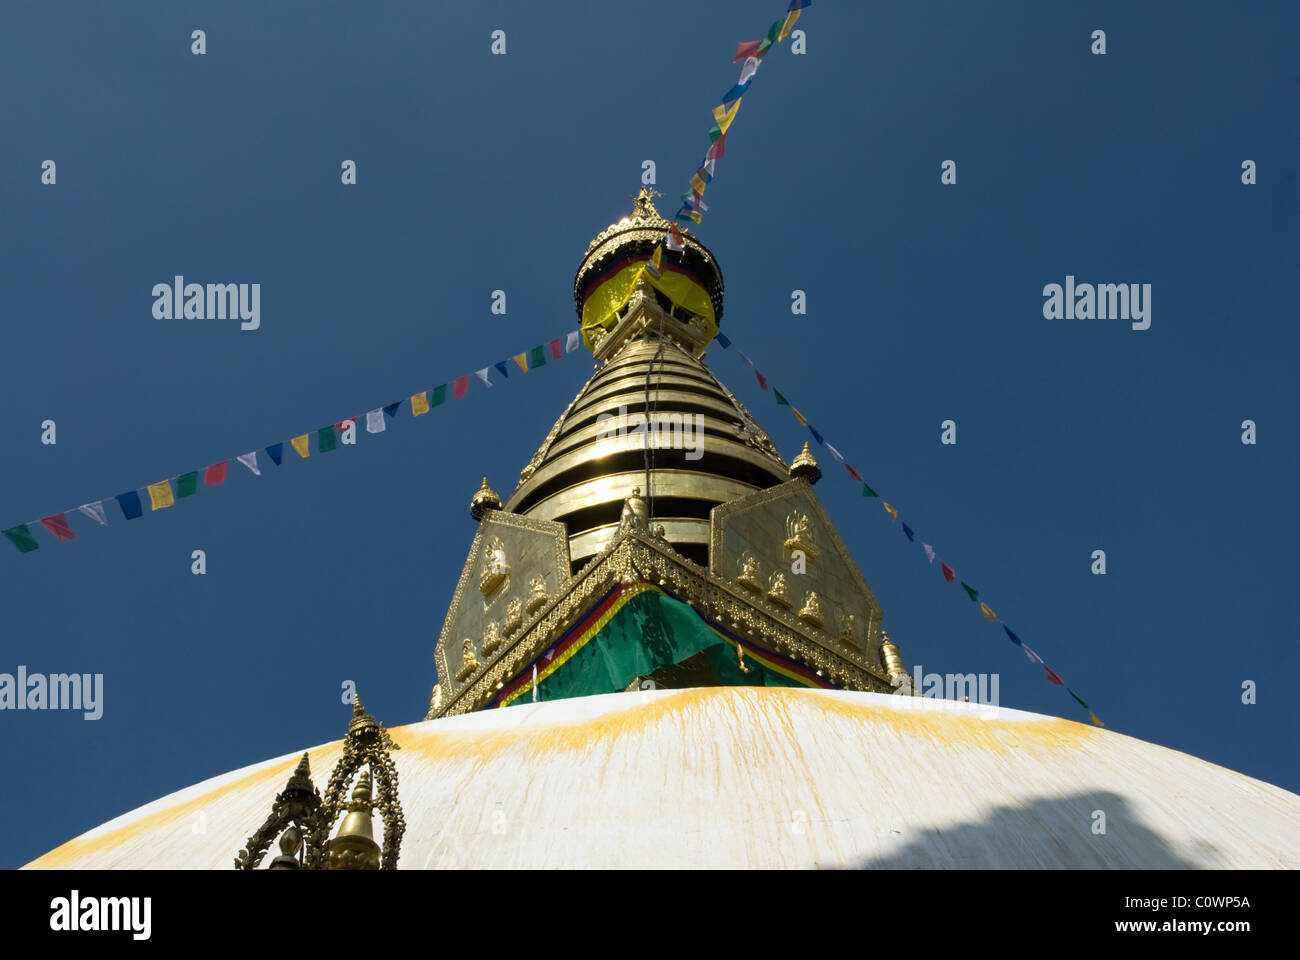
(297, 816)
(484, 500)
(361, 721)
(805, 465)
(643, 206)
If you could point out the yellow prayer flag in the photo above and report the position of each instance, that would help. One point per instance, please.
(988, 612)
(1095, 719)
(799, 416)
(522, 360)
(697, 184)
(420, 403)
(892, 512)
(786, 27)
(160, 494)
(300, 444)
(723, 117)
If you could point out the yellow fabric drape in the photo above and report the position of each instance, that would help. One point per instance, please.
(607, 299)
(300, 444)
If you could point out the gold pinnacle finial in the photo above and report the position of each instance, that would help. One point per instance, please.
(893, 657)
(484, 500)
(805, 465)
(301, 779)
(361, 720)
(643, 204)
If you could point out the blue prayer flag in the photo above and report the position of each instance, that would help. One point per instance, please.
(130, 504)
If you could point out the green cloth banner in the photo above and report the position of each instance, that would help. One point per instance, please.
(650, 631)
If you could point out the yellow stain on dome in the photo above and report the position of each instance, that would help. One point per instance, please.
(273, 778)
(767, 710)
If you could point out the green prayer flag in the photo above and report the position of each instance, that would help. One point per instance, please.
(439, 395)
(1079, 698)
(780, 399)
(536, 358)
(186, 484)
(770, 39)
(715, 133)
(326, 439)
(868, 492)
(21, 538)
(974, 594)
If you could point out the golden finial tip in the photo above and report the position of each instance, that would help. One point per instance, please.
(484, 500)
(805, 465)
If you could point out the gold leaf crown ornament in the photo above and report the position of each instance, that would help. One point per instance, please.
(638, 234)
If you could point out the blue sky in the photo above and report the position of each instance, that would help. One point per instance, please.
(480, 172)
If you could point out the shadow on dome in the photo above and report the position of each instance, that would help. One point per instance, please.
(1055, 833)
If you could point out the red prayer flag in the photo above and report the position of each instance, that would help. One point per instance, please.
(948, 573)
(761, 381)
(57, 524)
(718, 148)
(1052, 677)
(557, 348)
(854, 474)
(343, 424)
(215, 474)
(460, 387)
(745, 50)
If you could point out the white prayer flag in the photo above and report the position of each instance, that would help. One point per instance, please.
(748, 68)
(1029, 652)
(250, 460)
(375, 421)
(574, 339)
(711, 166)
(929, 551)
(96, 512)
(835, 453)
(482, 375)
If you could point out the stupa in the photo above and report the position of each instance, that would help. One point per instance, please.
(661, 653)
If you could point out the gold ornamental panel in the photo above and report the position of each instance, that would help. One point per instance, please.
(512, 562)
(782, 539)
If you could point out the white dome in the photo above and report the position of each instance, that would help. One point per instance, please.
(755, 777)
